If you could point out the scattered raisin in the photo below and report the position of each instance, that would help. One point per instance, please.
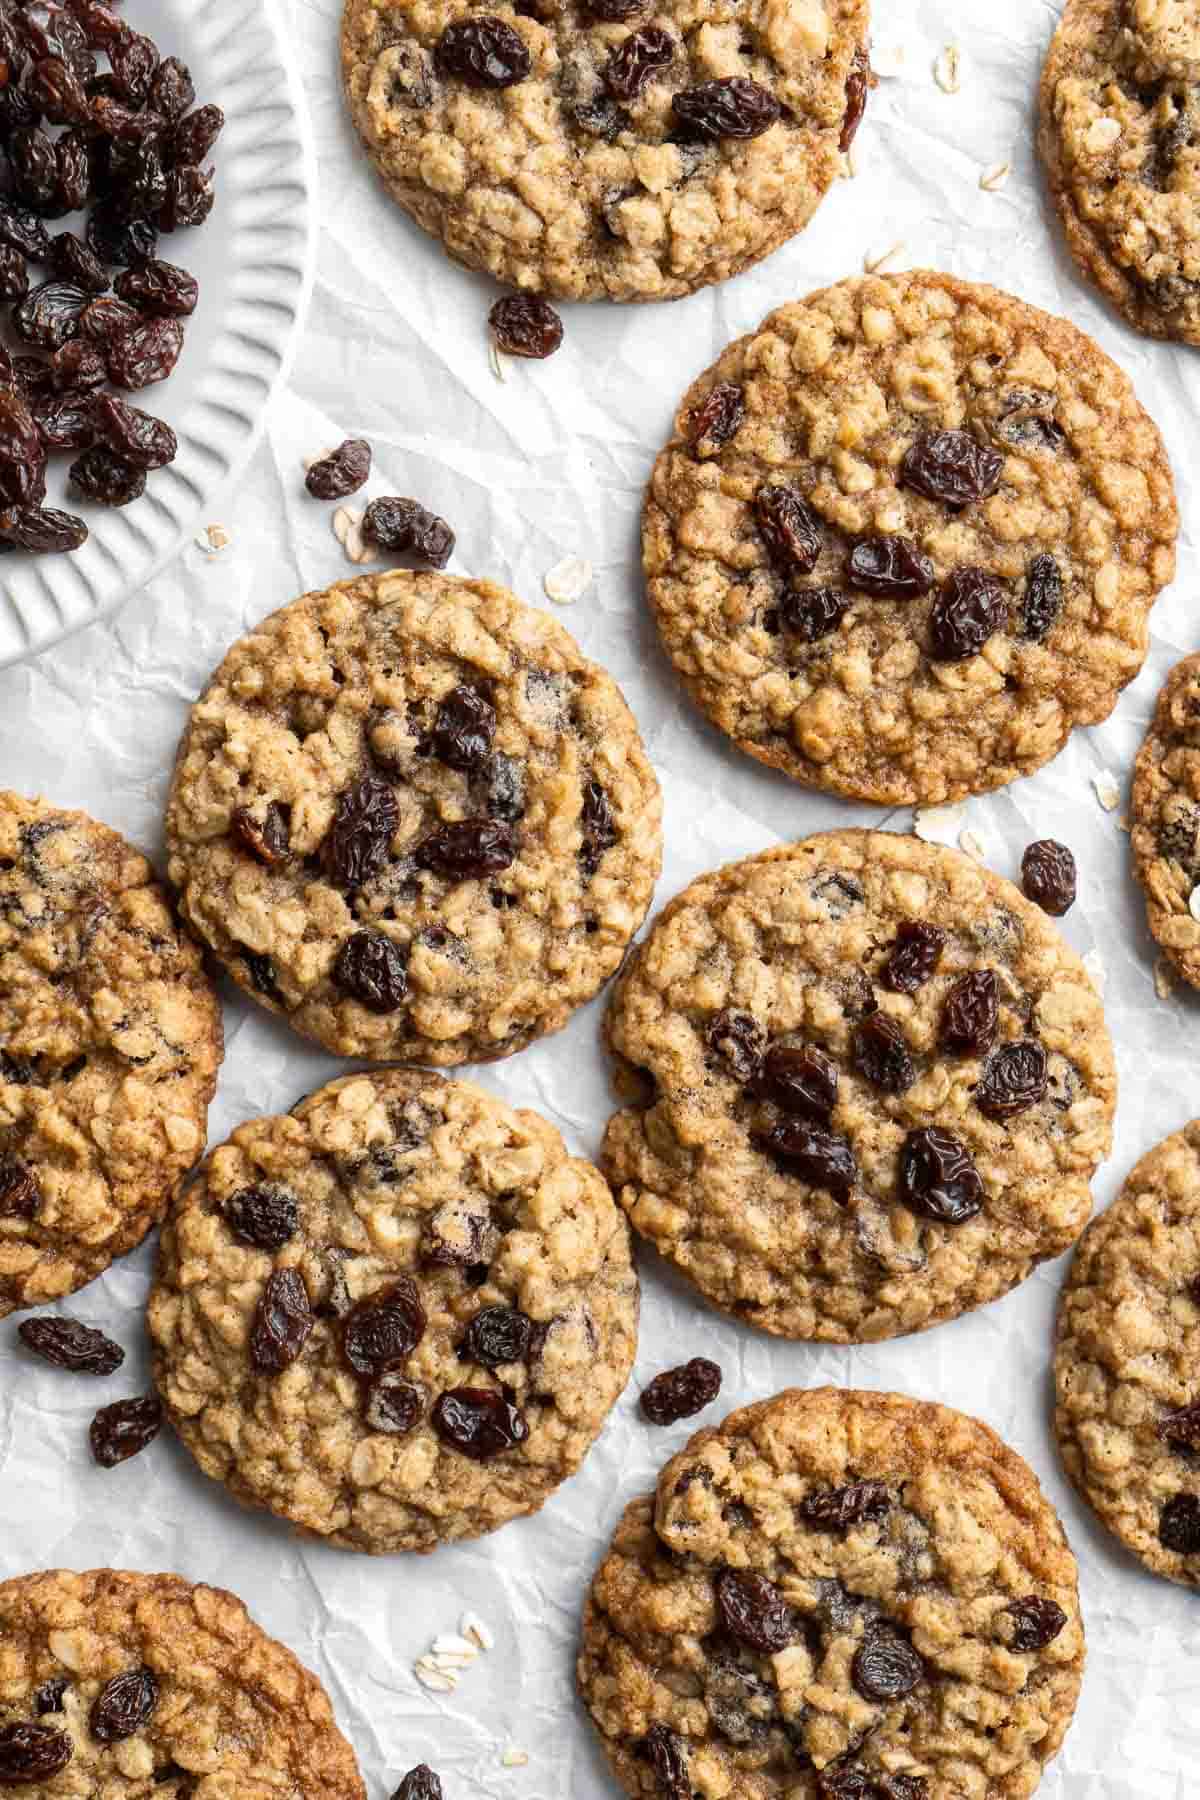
(902, 1787)
(971, 1014)
(634, 61)
(392, 1404)
(124, 1429)
(340, 473)
(106, 478)
(1181, 1429)
(1036, 1622)
(145, 353)
(167, 291)
(373, 969)
(599, 833)
(788, 527)
(478, 1422)
(812, 613)
(951, 466)
(419, 1784)
(1043, 598)
(717, 418)
(68, 1344)
(135, 436)
(732, 107)
(681, 1392)
(171, 90)
(464, 729)
(408, 528)
(283, 1321)
(20, 1191)
(800, 1081)
(30, 1753)
(356, 845)
(824, 1159)
(267, 1215)
(468, 849)
(117, 239)
(970, 608)
(601, 117)
(667, 1756)
(124, 1705)
(14, 274)
(34, 168)
(266, 839)
(495, 1336)
(73, 151)
(42, 530)
(916, 953)
(484, 51)
(525, 325)
(1179, 1524)
(858, 82)
(1013, 1080)
(754, 1611)
(739, 1040)
(383, 1330)
(836, 1509)
(885, 1666)
(1048, 876)
(889, 568)
(881, 1055)
(938, 1179)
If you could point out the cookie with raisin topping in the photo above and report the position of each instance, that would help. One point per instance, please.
(1164, 815)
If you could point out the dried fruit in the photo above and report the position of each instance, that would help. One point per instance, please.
(789, 527)
(1036, 1622)
(406, 527)
(340, 473)
(824, 1159)
(483, 51)
(881, 1055)
(65, 421)
(283, 1321)
(34, 166)
(890, 568)
(74, 153)
(373, 969)
(1013, 1080)
(356, 845)
(902, 1787)
(812, 613)
(971, 1014)
(971, 606)
(14, 274)
(464, 729)
(136, 436)
(495, 1336)
(133, 59)
(916, 953)
(105, 317)
(504, 792)
(144, 354)
(599, 833)
(124, 1705)
(190, 197)
(1048, 876)
(858, 82)
(266, 1216)
(393, 1405)
(117, 239)
(1179, 1524)
(383, 1330)
(195, 135)
(738, 1039)
(600, 117)
(836, 1509)
(267, 839)
(73, 262)
(68, 1344)
(58, 92)
(525, 325)
(171, 90)
(478, 1422)
(41, 530)
(667, 1756)
(716, 420)
(20, 1192)
(78, 364)
(633, 62)
(682, 1392)
(754, 1611)
(163, 289)
(419, 1784)
(49, 1697)
(885, 1666)
(49, 315)
(124, 1429)
(30, 1753)
(24, 231)
(106, 478)
(1181, 1429)
(938, 1179)
(801, 1081)
(732, 107)
(952, 466)
(468, 849)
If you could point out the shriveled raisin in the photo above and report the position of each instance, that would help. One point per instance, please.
(598, 831)
(124, 1429)
(885, 1666)
(525, 325)
(938, 1179)
(478, 1422)
(419, 1784)
(124, 1705)
(72, 261)
(468, 849)
(144, 354)
(667, 1756)
(42, 530)
(463, 729)
(799, 1080)
(1013, 1080)
(717, 418)
(59, 93)
(1048, 876)
(812, 613)
(267, 839)
(165, 290)
(754, 1611)
(24, 231)
(373, 969)
(732, 107)
(836, 1509)
(78, 365)
(971, 1014)
(970, 608)
(1179, 1525)
(392, 1404)
(195, 135)
(190, 197)
(396, 523)
(340, 473)
(902, 1787)
(34, 167)
(283, 1321)
(483, 51)
(49, 315)
(788, 526)
(14, 274)
(823, 1159)
(843, 1781)
(916, 953)
(65, 421)
(75, 179)
(383, 1330)
(682, 1392)
(105, 317)
(118, 239)
(106, 478)
(1043, 598)
(1036, 1622)
(20, 1191)
(881, 1055)
(634, 61)
(30, 1753)
(49, 1697)
(71, 1345)
(135, 436)
(266, 1215)
(738, 1039)
(953, 467)
(133, 59)
(171, 89)
(890, 568)
(600, 117)
(495, 1336)
(858, 83)
(1181, 1429)
(356, 845)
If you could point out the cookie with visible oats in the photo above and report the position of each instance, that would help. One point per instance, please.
(1127, 1410)
(1119, 133)
(836, 1595)
(1165, 818)
(866, 1085)
(110, 1041)
(395, 1316)
(116, 1685)
(411, 817)
(606, 149)
(906, 536)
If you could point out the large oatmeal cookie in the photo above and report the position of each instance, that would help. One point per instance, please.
(409, 815)
(1125, 1369)
(1165, 817)
(869, 1084)
(120, 1685)
(110, 1041)
(906, 536)
(582, 178)
(1120, 138)
(836, 1595)
(397, 1315)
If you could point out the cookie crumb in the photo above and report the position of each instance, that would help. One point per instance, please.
(947, 70)
(568, 580)
(887, 61)
(514, 1759)
(1108, 792)
(213, 539)
(347, 529)
(473, 1627)
(938, 824)
(1164, 978)
(496, 361)
(1093, 962)
(993, 179)
(876, 260)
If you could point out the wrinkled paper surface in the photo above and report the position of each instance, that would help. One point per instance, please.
(549, 463)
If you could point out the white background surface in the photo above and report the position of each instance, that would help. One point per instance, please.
(550, 463)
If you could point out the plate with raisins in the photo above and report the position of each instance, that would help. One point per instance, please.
(156, 252)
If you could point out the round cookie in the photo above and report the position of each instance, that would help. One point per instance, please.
(1119, 133)
(836, 1595)
(1126, 1387)
(906, 536)
(1165, 817)
(396, 1316)
(411, 817)
(118, 1684)
(110, 1041)
(868, 1084)
(604, 149)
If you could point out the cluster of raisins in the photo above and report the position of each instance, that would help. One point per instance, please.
(32, 1752)
(118, 1431)
(402, 526)
(131, 152)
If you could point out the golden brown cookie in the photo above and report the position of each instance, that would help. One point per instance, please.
(1165, 818)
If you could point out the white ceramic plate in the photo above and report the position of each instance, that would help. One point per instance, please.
(253, 259)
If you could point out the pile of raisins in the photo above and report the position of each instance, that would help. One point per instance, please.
(127, 145)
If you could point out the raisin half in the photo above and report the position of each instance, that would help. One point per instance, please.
(916, 953)
(952, 466)
(392, 1404)
(681, 1392)
(881, 1055)
(885, 1666)
(754, 1611)
(266, 839)
(124, 1429)
(1179, 1524)
(356, 845)
(525, 325)
(468, 849)
(938, 1179)
(801, 1081)
(283, 1321)
(739, 1040)
(858, 83)
(1043, 598)
(485, 52)
(716, 420)
(823, 1159)
(419, 1784)
(20, 1190)
(30, 1753)
(1049, 877)
(464, 729)
(1013, 1080)
(732, 107)
(340, 473)
(478, 1422)
(971, 1014)
(667, 1756)
(1036, 1622)
(124, 1705)
(597, 829)
(68, 1344)
(889, 568)
(266, 1216)
(634, 61)
(373, 970)
(383, 1330)
(970, 608)
(836, 1509)
(788, 527)
(405, 526)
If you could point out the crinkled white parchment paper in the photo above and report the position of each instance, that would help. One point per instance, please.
(550, 463)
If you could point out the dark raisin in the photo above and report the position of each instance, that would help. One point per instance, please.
(601, 117)
(801, 1081)
(124, 1429)
(885, 1666)
(102, 476)
(504, 788)
(68, 1344)
(812, 613)
(525, 325)
(1048, 876)
(1182, 1429)
(599, 833)
(615, 12)
(902, 1787)
(1013, 1080)
(667, 1756)
(124, 1705)
(356, 845)
(754, 1611)
(1026, 422)
(953, 467)
(20, 1192)
(788, 526)
(484, 51)
(468, 850)
(1036, 1622)
(858, 82)
(634, 61)
(836, 1509)
(881, 1055)
(373, 969)
(267, 839)
(65, 421)
(266, 1216)
(463, 730)
(916, 953)
(824, 1159)
(283, 1321)
(30, 1753)
(105, 317)
(137, 437)
(171, 90)
(113, 118)
(732, 107)
(163, 289)
(971, 1014)
(75, 179)
(393, 1405)
(24, 231)
(682, 1392)
(78, 365)
(717, 418)
(970, 608)
(49, 1697)
(890, 568)
(117, 239)
(34, 167)
(14, 274)
(340, 473)
(190, 197)
(101, 25)
(58, 91)
(133, 59)
(495, 1336)
(145, 353)
(738, 1039)
(31, 376)
(478, 1422)
(383, 1330)
(49, 315)
(938, 1179)
(42, 530)
(419, 1784)
(405, 526)
(195, 135)
(844, 1781)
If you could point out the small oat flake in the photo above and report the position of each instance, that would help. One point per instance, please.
(996, 177)
(496, 360)
(974, 846)
(947, 70)
(938, 824)
(875, 261)
(474, 1628)
(347, 529)
(1108, 793)
(514, 1758)
(434, 1679)
(213, 539)
(568, 580)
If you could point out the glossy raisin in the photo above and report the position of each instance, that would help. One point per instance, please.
(133, 59)
(739, 1040)
(1043, 598)
(145, 353)
(732, 107)
(915, 955)
(136, 436)
(971, 1014)
(844, 1781)
(902, 1787)
(267, 839)
(72, 261)
(953, 467)
(392, 1404)
(283, 1321)
(823, 1159)
(1013, 1080)
(881, 1055)
(754, 1611)
(1181, 1429)
(495, 1336)
(682, 1392)
(24, 231)
(971, 606)
(124, 1705)
(484, 52)
(195, 135)
(106, 317)
(1179, 1524)
(885, 1666)
(65, 421)
(800, 1081)
(468, 849)
(171, 90)
(115, 118)
(101, 25)
(124, 1429)
(78, 365)
(1049, 877)
(525, 325)
(635, 60)
(14, 274)
(20, 1191)
(49, 1697)
(598, 831)
(32, 1753)
(373, 969)
(75, 170)
(58, 92)
(812, 613)
(340, 473)
(938, 1179)
(34, 167)
(396, 523)
(49, 314)
(356, 845)
(667, 1756)
(836, 1509)
(464, 729)
(419, 1784)
(31, 376)
(889, 568)
(788, 526)
(165, 290)
(118, 239)
(716, 420)
(858, 83)
(107, 479)
(383, 1330)
(71, 1345)
(1036, 1622)
(478, 1422)
(266, 1215)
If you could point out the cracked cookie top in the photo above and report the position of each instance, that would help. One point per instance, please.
(1120, 138)
(397, 1315)
(110, 1041)
(1165, 818)
(114, 1684)
(836, 1595)
(607, 149)
(906, 536)
(411, 817)
(868, 1084)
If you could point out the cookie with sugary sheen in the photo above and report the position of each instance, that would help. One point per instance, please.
(1125, 1368)
(114, 1684)
(906, 536)
(411, 817)
(110, 1041)
(1165, 818)
(836, 1595)
(607, 149)
(395, 1316)
(867, 1084)
(1119, 133)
